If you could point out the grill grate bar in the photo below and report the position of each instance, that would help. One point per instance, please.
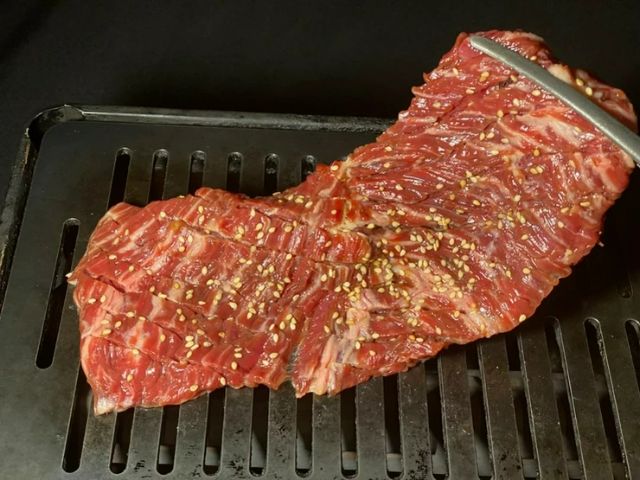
(585, 409)
(541, 402)
(145, 436)
(189, 446)
(414, 424)
(98, 445)
(236, 432)
(370, 432)
(499, 406)
(456, 415)
(326, 458)
(625, 395)
(281, 444)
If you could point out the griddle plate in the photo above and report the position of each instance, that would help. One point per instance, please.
(557, 398)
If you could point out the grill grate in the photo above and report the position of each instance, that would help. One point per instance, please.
(558, 398)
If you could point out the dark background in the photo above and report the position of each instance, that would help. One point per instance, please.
(337, 58)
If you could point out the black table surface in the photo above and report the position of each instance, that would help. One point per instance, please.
(332, 58)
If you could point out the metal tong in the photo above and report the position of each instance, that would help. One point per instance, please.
(626, 139)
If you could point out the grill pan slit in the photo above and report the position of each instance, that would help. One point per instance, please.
(234, 168)
(434, 414)
(393, 443)
(478, 414)
(594, 340)
(119, 177)
(213, 435)
(349, 462)
(77, 424)
(560, 388)
(197, 167)
(633, 337)
(271, 169)
(158, 174)
(121, 441)
(307, 166)
(167, 442)
(259, 430)
(57, 293)
(304, 435)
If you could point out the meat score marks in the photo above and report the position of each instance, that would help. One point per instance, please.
(452, 226)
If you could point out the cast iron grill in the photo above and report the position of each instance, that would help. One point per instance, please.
(557, 398)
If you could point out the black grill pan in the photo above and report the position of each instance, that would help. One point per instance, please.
(557, 398)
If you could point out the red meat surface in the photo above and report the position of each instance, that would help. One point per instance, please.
(452, 226)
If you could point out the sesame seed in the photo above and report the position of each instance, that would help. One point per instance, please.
(135, 351)
(585, 204)
(438, 331)
(200, 209)
(237, 355)
(439, 186)
(386, 164)
(500, 114)
(193, 388)
(273, 355)
(536, 93)
(130, 314)
(91, 301)
(358, 345)
(526, 270)
(103, 298)
(372, 353)
(334, 167)
(204, 270)
(106, 331)
(234, 365)
(522, 318)
(399, 187)
(233, 305)
(560, 224)
(223, 381)
(112, 257)
(163, 214)
(589, 91)
(129, 377)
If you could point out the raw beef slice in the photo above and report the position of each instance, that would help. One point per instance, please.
(452, 226)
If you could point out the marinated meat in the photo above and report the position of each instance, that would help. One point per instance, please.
(452, 226)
